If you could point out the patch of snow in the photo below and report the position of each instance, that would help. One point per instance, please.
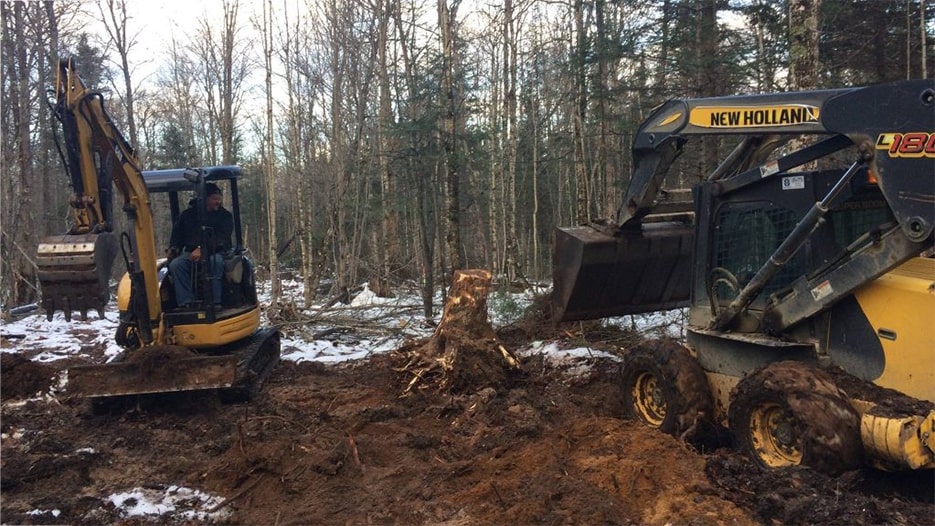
(575, 362)
(180, 502)
(662, 324)
(58, 339)
(38, 513)
(366, 297)
(15, 435)
(558, 356)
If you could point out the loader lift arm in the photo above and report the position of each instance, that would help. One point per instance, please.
(74, 268)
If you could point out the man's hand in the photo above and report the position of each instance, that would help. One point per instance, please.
(196, 255)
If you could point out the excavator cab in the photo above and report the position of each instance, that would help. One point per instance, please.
(238, 285)
(237, 309)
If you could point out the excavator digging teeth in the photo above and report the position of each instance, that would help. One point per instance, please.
(74, 272)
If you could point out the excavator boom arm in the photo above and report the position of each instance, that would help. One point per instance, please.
(74, 268)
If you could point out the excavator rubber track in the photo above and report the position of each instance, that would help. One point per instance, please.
(238, 370)
(256, 361)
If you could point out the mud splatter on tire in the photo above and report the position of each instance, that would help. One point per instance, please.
(823, 428)
(678, 383)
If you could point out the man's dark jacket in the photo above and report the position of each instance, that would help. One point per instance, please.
(219, 226)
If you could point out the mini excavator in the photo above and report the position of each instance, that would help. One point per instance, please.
(213, 343)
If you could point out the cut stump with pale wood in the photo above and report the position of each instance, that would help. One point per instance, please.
(464, 353)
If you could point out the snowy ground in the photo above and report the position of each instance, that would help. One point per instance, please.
(368, 325)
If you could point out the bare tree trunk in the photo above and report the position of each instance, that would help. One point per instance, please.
(18, 240)
(709, 74)
(603, 184)
(47, 67)
(300, 147)
(804, 23)
(761, 76)
(662, 66)
(268, 27)
(534, 117)
(450, 133)
(227, 85)
(425, 227)
(923, 41)
(582, 208)
(513, 270)
(115, 23)
(225, 65)
(388, 247)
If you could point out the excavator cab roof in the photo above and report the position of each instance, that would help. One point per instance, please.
(176, 180)
(179, 179)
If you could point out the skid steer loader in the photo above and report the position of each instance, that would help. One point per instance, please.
(213, 343)
(804, 261)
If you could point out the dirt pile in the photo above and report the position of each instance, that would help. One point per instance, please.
(22, 378)
(498, 456)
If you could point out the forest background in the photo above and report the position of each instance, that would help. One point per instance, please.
(392, 141)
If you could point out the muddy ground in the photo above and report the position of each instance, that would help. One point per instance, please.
(339, 445)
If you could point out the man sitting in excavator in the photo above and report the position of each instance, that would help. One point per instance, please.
(186, 245)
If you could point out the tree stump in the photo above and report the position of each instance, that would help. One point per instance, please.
(464, 353)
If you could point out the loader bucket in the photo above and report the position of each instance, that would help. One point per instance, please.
(596, 275)
(158, 369)
(74, 272)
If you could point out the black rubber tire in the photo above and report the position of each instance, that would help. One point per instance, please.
(680, 402)
(812, 422)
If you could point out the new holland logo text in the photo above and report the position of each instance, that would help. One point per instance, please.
(912, 145)
(754, 117)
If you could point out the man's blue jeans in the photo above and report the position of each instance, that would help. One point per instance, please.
(182, 271)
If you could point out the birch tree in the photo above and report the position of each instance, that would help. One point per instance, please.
(270, 157)
(225, 61)
(114, 16)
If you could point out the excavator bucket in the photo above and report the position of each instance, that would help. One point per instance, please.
(74, 272)
(633, 271)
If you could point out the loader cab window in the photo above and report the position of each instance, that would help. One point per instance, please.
(745, 236)
(857, 217)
